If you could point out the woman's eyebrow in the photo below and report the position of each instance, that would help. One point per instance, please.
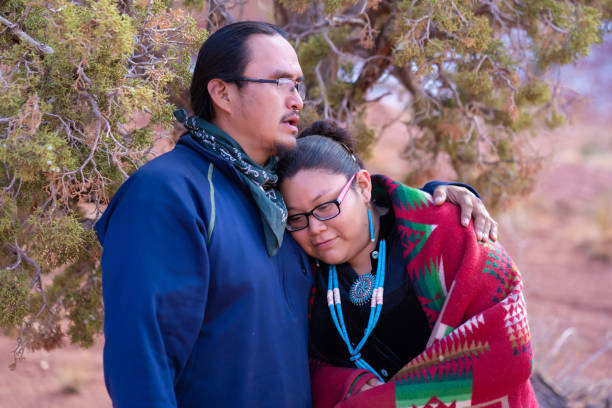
(318, 196)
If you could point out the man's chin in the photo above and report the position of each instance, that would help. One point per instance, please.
(286, 146)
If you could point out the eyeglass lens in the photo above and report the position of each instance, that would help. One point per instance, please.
(322, 212)
(289, 85)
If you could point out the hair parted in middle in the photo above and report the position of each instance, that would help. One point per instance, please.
(325, 146)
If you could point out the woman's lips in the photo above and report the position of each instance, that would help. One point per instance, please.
(325, 244)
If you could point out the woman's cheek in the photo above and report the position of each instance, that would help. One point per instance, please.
(301, 237)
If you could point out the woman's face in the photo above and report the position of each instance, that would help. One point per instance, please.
(341, 238)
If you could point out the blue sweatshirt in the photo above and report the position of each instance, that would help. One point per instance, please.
(196, 312)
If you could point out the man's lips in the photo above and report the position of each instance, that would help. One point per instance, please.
(291, 120)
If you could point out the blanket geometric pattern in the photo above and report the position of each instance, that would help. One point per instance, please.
(479, 353)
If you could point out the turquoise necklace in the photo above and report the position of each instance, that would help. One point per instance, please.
(335, 308)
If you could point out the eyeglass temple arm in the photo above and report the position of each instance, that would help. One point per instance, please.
(345, 189)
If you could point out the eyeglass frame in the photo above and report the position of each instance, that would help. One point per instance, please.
(337, 201)
(298, 84)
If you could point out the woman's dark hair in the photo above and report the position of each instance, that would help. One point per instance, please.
(324, 145)
(224, 55)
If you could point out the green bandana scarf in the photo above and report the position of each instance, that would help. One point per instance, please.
(260, 180)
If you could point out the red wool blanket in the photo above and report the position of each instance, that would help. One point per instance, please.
(479, 353)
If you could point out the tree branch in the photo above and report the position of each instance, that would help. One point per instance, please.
(45, 49)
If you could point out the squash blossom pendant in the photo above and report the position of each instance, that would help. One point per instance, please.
(361, 289)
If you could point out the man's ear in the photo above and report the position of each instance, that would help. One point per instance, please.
(364, 184)
(220, 94)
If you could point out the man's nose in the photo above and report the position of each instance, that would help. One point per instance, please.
(295, 102)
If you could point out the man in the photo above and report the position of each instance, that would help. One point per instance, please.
(205, 301)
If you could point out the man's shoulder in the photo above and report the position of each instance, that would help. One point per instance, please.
(180, 160)
(187, 161)
(176, 179)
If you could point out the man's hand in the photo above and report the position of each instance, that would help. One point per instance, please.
(471, 206)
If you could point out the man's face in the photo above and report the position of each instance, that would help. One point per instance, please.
(265, 118)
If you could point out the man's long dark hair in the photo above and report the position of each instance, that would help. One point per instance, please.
(224, 55)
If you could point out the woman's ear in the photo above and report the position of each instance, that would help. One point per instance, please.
(364, 185)
(220, 94)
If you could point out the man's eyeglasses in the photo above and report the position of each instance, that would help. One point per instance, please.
(286, 84)
(322, 212)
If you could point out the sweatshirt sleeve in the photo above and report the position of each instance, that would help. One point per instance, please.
(155, 282)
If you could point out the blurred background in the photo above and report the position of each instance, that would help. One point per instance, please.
(560, 236)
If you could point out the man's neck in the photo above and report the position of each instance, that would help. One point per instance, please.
(254, 154)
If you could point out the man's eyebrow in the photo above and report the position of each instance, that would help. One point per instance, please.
(285, 74)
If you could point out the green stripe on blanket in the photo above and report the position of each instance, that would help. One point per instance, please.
(446, 391)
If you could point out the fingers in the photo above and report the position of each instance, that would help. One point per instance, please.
(365, 387)
(493, 233)
(372, 382)
(480, 225)
(467, 207)
(375, 382)
(485, 226)
(482, 221)
(463, 198)
(440, 195)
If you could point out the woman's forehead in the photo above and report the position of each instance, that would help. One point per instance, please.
(311, 185)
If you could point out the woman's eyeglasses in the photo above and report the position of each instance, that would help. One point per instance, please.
(322, 212)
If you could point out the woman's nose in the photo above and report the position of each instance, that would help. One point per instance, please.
(315, 226)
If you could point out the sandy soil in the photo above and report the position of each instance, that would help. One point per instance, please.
(66, 378)
(561, 238)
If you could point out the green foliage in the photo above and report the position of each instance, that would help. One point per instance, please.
(476, 72)
(476, 76)
(537, 92)
(56, 241)
(473, 85)
(555, 120)
(572, 31)
(310, 52)
(68, 140)
(82, 301)
(364, 137)
(14, 289)
(8, 216)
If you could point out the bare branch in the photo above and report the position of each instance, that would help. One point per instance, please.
(323, 90)
(13, 28)
(458, 12)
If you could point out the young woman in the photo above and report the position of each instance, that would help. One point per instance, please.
(409, 308)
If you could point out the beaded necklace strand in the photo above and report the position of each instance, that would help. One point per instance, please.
(335, 308)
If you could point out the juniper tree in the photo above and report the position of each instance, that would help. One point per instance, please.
(477, 72)
(74, 76)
